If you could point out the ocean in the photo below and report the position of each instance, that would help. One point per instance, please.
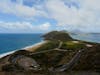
(90, 37)
(11, 42)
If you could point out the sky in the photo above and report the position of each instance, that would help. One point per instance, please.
(40, 16)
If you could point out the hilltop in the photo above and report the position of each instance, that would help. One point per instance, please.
(57, 35)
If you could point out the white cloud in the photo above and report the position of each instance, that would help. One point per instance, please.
(23, 27)
(81, 15)
(19, 9)
(45, 26)
(85, 18)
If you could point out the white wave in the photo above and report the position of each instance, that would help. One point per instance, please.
(27, 47)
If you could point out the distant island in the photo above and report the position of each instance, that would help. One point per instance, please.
(59, 52)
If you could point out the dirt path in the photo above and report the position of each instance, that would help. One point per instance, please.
(60, 44)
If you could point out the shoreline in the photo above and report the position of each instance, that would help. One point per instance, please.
(28, 48)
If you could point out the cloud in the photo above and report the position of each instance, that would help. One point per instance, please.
(22, 27)
(45, 26)
(19, 9)
(76, 14)
(83, 15)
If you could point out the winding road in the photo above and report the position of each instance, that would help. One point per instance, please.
(68, 65)
(71, 63)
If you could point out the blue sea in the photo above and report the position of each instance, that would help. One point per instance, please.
(90, 37)
(10, 42)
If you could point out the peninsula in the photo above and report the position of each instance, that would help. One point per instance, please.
(58, 53)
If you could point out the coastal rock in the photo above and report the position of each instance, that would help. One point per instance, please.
(20, 61)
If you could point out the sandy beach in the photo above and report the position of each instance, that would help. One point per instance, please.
(31, 48)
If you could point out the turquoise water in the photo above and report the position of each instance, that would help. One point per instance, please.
(10, 42)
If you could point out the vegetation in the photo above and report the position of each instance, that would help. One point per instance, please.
(57, 57)
(57, 35)
(48, 46)
(70, 45)
(89, 60)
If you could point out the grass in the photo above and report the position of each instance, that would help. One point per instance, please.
(70, 45)
(53, 58)
(48, 46)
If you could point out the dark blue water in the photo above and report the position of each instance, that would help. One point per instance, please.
(10, 42)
